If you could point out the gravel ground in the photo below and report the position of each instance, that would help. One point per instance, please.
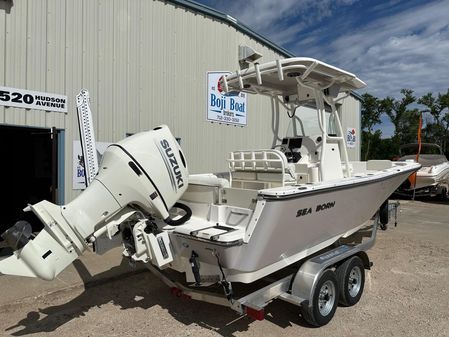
(406, 294)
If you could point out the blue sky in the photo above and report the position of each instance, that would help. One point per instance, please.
(390, 45)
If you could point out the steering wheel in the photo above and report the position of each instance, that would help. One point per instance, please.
(292, 157)
(281, 147)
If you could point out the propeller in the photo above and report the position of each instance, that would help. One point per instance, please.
(18, 235)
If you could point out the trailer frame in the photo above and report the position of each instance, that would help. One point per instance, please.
(298, 288)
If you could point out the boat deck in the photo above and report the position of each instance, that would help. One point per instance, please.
(223, 214)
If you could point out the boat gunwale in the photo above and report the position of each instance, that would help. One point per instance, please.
(301, 193)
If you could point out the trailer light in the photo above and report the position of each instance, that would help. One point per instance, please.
(176, 291)
(258, 315)
(179, 293)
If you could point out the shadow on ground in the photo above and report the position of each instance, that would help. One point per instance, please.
(426, 199)
(143, 290)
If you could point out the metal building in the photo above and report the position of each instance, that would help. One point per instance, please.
(144, 62)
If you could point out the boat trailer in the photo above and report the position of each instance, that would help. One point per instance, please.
(332, 276)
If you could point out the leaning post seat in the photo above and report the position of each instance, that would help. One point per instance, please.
(259, 169)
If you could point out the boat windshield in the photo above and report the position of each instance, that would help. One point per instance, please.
(412, 149)
(305, 123)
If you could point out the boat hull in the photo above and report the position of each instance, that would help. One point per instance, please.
(292, 228)
(429, 181)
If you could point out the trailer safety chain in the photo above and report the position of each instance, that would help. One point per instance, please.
(227, 287)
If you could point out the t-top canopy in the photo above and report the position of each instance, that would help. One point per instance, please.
(282, 77)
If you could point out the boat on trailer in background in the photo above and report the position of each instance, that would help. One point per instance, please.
(300, 212)
(432, 179)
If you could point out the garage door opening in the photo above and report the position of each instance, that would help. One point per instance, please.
(29, 171)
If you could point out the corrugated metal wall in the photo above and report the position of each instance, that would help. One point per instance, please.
(144, 63)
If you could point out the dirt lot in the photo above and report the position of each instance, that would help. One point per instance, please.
(406, 294)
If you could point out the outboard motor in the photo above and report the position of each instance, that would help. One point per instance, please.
(145, 172)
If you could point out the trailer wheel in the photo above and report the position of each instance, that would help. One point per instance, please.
(324, 300)
(351, 281)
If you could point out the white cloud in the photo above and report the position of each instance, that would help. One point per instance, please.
(394, 49)
(405, 50)
(282, 21)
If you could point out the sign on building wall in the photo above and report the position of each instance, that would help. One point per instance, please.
(351, 138)
(229, 108)
(27, 99)
(79, 181)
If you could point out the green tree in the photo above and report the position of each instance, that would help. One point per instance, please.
(433, 129)
(381, 148)
(408, 127)
(397, 108)
(405, 120)
(445, 143)
(437, 129)
(371, 112)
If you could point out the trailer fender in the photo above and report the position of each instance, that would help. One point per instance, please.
(305, 280)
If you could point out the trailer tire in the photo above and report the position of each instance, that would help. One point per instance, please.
(324, 300)
(351, 281)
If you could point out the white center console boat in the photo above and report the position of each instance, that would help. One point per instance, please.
(301, 203)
